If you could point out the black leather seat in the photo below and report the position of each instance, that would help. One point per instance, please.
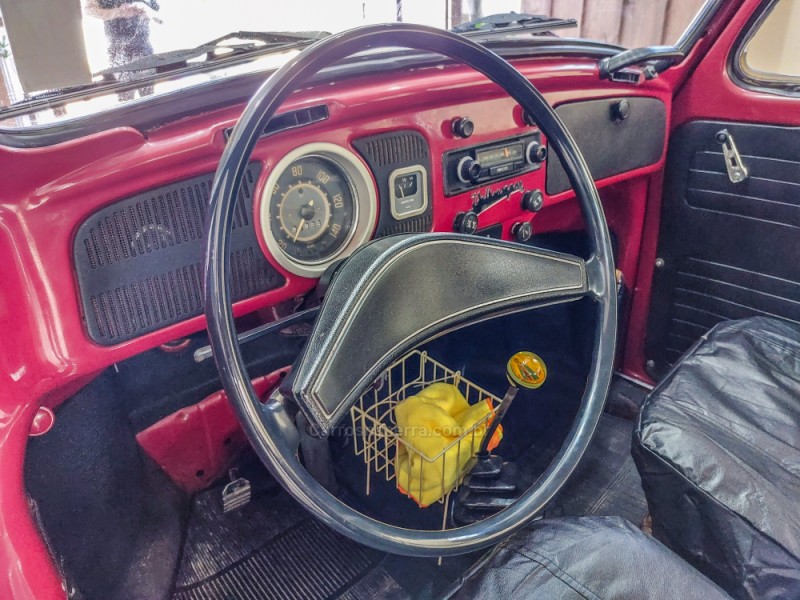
(718, 450)
(583, 558)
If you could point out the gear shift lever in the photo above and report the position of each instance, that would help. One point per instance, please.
(491, 483)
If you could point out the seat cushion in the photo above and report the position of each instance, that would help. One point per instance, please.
(718, 449)
(583, 558)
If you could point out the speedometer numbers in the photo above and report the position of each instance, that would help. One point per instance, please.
(318, 205)
(312, 209)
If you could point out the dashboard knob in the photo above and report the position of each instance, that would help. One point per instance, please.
(466, 222)
(463, 127)
(532, 200)
(535, 153)
(522, 231)
(469, 170)
(528, 119)
(620, 110)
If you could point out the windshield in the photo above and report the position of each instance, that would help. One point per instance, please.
(76, 42)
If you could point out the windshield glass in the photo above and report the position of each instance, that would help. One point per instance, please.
(73, 42)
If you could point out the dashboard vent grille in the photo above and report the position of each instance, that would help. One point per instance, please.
(137, 260)
(401, 148)
(292, 120)
(385, 153)
(413, 225)
(160, 220)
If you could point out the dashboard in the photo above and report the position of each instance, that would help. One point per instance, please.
(137, 259)
(108, 229)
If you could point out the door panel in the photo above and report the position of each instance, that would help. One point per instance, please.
(729, 250)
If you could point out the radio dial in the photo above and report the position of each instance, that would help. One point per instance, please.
(466, 168)
(535, 153)
(469, 170)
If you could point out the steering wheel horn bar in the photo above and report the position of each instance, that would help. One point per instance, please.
(370, 318)
(367, 322)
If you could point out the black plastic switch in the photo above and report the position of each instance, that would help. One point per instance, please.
(463, 127)
(466, 222)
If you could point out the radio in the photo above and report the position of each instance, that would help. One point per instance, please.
(468, 168)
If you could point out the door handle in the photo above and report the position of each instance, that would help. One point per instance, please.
(737, 170)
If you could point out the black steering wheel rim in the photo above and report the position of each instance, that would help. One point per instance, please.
(268, 426)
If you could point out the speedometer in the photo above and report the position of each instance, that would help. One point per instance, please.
(318, 205)
(312, 209)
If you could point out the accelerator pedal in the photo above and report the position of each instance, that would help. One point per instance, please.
(237, 493)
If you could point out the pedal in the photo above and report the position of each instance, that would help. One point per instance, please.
(236, 494)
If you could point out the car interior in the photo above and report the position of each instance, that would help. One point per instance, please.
(414, 314)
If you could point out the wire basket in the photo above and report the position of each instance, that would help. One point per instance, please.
(378, 442)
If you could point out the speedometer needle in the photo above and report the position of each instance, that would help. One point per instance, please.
(299, 227)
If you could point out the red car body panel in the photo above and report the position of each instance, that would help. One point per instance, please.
(704, 89)
(196, 444)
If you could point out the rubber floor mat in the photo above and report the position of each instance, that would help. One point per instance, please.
(606, 482)
(272, 549)
(625, 398)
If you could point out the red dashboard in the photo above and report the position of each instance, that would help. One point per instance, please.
(50, 192)
(53, 190)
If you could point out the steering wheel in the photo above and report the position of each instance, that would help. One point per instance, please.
(350, 345)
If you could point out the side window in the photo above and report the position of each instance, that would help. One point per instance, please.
(769, 55)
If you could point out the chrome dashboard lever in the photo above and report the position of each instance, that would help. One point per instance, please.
(205, 352)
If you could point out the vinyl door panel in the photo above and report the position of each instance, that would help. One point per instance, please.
(729, 251)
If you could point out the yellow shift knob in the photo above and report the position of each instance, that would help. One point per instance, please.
(526, 369)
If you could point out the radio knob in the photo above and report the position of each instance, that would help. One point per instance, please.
(466, 222)
(522, 231)
(535, 153)
(463, 127)
(469, 170)
(532, 200)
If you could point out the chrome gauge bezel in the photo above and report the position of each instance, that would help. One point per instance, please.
(365, 206)
(423, 191)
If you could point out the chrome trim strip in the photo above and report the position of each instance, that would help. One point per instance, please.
(697, 26)
(399, 216)
(751, 79)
